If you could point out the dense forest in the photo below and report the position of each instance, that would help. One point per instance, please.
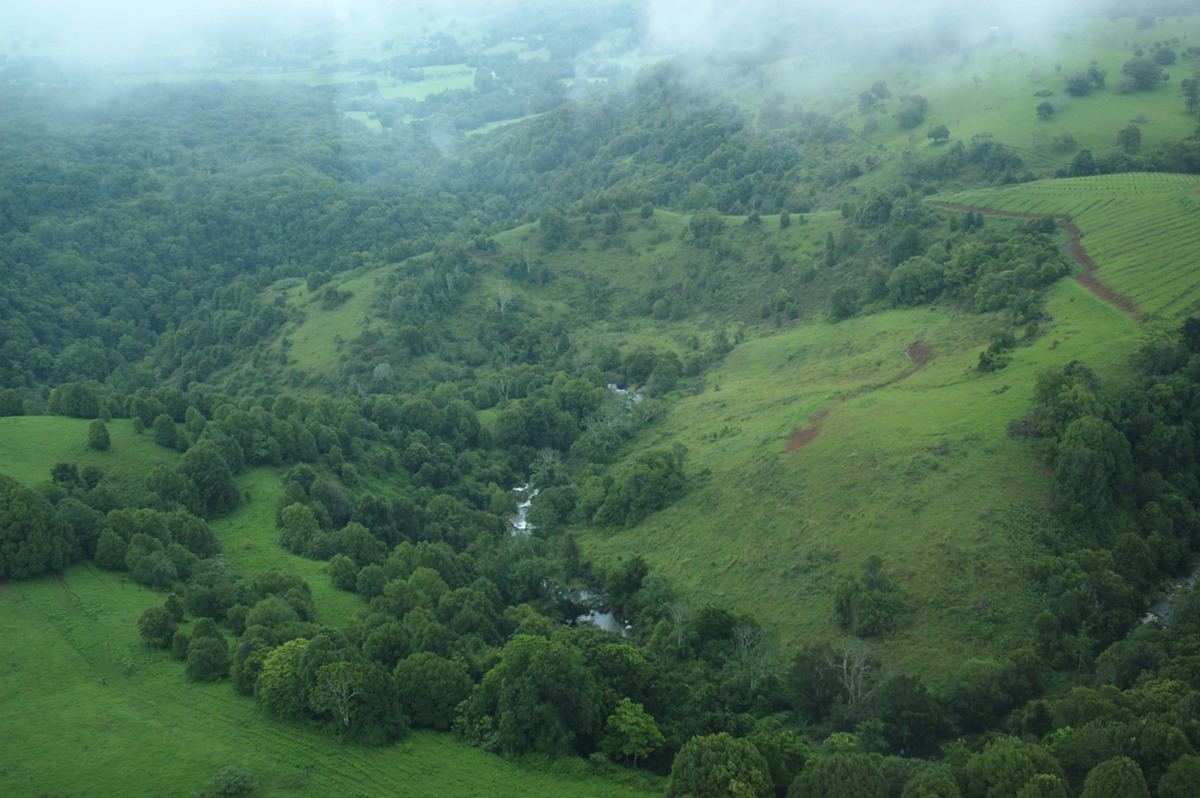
(151, 237)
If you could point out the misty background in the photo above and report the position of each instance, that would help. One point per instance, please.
(145, 34)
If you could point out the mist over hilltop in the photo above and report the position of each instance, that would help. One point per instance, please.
(90, 35)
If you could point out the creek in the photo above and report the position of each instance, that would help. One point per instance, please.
(597, 614)
(1160, 611)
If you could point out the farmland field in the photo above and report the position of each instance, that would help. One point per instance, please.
(1124, 219)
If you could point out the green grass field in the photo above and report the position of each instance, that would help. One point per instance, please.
(71, 643)
(31, 445)
(991, 89)
(89, 710)
(1141, 230)
(917, 471)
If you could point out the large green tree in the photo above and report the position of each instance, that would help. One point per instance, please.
(719, 766)
(33, 537)
(204, 466)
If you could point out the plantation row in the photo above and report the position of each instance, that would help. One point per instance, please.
(1139, 229)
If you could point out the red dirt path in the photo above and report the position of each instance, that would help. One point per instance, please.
(1073, 249)
(918, 354)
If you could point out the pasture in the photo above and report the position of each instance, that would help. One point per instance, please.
(89, 710)
(918, 469)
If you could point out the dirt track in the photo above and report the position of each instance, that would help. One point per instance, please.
(918, 354)
(1073, 248)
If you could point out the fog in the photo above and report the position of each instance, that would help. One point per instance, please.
(125, 33)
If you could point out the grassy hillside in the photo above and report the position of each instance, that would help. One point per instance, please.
(906, 449)
(90, 710)
(1141, 230)
(992, 87)
(917, 469)
(33, 444)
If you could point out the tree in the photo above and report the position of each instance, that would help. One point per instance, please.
(431, 687)
(1129, 138)
(842, 775)
(157, 626)
(11, 403)
(539, 697)
(1044, 785)
(207, 659)
(165, 432)
(1082, 164)
(33, 537)
(1045, 110)
(342, 572)
(1163, 56)
(912, 111)
(1191, 99)
(1143, 73)
(279, 687)
(1181, 778)
(204, 466)
(110, 551)
(1117, 776)
(630, 732)
(229, 781)
(1006, 765)
(97, 435)
(718, 765)
(843, 302)
(939, 134)
(932, 781)
(361, 699)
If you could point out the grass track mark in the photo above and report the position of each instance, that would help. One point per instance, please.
(918, 354)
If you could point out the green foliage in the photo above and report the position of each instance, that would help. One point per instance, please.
(843, 302)
(205, 467)
(1117, 776)
(841, 775)
(540, 697)
(932, 781)
(361, 701)
(11, 403)
(1006, 765)
(648, 483)
(431, 687)
(630, 732)
(230, 781)
(1142, 74)
(1181, 778)
(719, 765)
(279, 687)
(912, 111)
(207, 659)
(97, 435)
(33, 537)
(870, 605)
(157, 626)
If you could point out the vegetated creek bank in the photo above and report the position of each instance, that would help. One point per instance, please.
(1160, 611)
(597, 614)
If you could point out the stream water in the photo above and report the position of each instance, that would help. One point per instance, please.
(597, 614)
(520, 523)
(1160, 610)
